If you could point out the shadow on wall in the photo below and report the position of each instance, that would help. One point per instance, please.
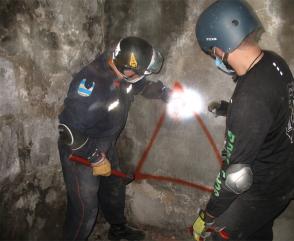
(142, 18)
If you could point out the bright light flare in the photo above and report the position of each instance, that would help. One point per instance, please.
(184, 103)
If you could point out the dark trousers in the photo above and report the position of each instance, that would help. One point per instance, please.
(86, 193)
(250, 218)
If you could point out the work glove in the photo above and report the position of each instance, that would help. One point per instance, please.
(201, 226)
(166, 93)
(213, 106)
(156, 90)
(102, 166)
(218, 108)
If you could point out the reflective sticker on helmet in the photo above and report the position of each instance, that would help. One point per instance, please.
(133, 61)
(83, 90)
(211, 39)
(152, 62)
(117, 50)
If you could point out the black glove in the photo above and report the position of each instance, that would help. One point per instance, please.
(166, 92)
(219, 108)
(156, 90)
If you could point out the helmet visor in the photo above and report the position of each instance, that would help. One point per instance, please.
(155, 63)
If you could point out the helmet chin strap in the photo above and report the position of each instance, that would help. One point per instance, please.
(225, 57)
(114, 68)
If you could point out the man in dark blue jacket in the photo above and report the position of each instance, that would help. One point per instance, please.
(256, 181)
(95, 112)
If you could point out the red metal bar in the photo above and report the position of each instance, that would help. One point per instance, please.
(150, 144)
(141, 176)
(80, 160)
(86, 162)
(209, 138)
(223, 234)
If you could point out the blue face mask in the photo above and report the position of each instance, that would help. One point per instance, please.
(220, 64)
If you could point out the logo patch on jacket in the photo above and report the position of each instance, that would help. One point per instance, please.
(84, 90)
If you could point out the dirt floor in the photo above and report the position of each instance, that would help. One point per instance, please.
(152, 233)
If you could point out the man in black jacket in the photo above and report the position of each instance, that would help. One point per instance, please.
(256, 180)
(95, 112)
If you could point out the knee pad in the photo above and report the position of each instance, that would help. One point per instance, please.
(239, 178)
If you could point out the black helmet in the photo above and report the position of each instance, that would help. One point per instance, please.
(138, 55)
(225, 24)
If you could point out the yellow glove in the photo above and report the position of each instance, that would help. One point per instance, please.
(102, 168)
(200, 226)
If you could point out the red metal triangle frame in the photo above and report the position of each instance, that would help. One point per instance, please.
(140, 175)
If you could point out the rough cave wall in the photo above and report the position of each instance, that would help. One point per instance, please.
(43, 42)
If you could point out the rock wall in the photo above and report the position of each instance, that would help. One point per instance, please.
(42, 44)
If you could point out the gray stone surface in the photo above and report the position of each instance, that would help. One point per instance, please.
(43, 42)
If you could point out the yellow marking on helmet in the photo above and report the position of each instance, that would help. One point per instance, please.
(133, 61)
